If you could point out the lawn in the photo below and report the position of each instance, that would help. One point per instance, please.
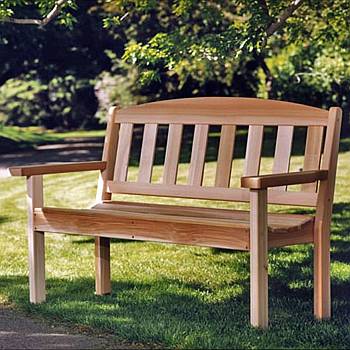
(13, 138)
(176, 296)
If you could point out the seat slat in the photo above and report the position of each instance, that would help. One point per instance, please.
(253, 152)
(199, 147)
(144, 227)
(225, 155)
(276, 221)
(283, 152)
(313, 149)
(201, 230)
(147, 153)
(123, 152)
(172, 154)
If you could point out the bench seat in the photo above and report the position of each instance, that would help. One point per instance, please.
(221, 228)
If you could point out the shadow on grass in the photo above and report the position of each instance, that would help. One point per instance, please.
(113, 240)
(184, 314)
(4, 219)
(175, 313)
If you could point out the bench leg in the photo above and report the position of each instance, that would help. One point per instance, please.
(258, 259)
(36, 242)
(102, 265)
(322, 281)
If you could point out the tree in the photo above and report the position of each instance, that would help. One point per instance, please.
(183, 47)
(48, 9)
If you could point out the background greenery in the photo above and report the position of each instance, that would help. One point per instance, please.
(132, 51)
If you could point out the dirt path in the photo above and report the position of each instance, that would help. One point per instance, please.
(18, 331)
(75, 150)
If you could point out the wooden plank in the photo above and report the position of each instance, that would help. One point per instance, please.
(253, 152)
(313, 151)
(117, 225)
(102, 244)
(172, 154)
(322, 285)
(36, 241)
(108, 156)
(225, 155)
(258, 259)
(56, 168)
(199, 148)
(224, 111)
(272, 180)
(147, 153)
(123, 152)
(214, 193)
(283, 152)
(277, 239)
(102, 265)
(278, 223)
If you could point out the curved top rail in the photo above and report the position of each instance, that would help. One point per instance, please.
(224, 110)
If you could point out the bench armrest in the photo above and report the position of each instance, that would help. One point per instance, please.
(283, 179)
(56, 168)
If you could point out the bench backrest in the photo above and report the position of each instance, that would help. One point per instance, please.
(228, 112)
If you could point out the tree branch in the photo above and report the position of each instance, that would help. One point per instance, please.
(265, 8)
(39, 22)
(283, 17)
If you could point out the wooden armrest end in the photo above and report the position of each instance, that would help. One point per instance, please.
(56, 168)
(283, 179)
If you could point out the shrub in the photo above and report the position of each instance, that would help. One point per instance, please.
(61, 103)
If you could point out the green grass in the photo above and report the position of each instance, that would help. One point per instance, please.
(177, 296)
(14, 138)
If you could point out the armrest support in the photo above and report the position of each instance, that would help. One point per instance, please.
(56, 168)
(284, 179)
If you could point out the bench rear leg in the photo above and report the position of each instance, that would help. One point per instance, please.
(102, 266)
(322, 281)
(258, 259)
(36, 242)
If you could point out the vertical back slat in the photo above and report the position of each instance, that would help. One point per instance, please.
(199, 147)
(172, 154)
(253, 152)
(283, 152)
(109, 155)
(313, 151)
(225, 155)
(147, 153)
(123, 152)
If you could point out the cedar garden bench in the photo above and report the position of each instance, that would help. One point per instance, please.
(254, 231)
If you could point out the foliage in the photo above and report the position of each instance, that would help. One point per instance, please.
(64, 60)
(182, 48)
(8, 8)
(61, 103)
(118, 86)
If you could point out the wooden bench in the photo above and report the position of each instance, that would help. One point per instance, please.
(253, 231)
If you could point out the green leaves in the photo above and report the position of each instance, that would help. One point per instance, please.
(12, 9)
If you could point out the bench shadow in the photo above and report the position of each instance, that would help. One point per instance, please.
(113, 240)
(181, 310)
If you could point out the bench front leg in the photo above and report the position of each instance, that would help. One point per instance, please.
(36, 241)
(322, 258)
(102, 265)
(258, 259)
